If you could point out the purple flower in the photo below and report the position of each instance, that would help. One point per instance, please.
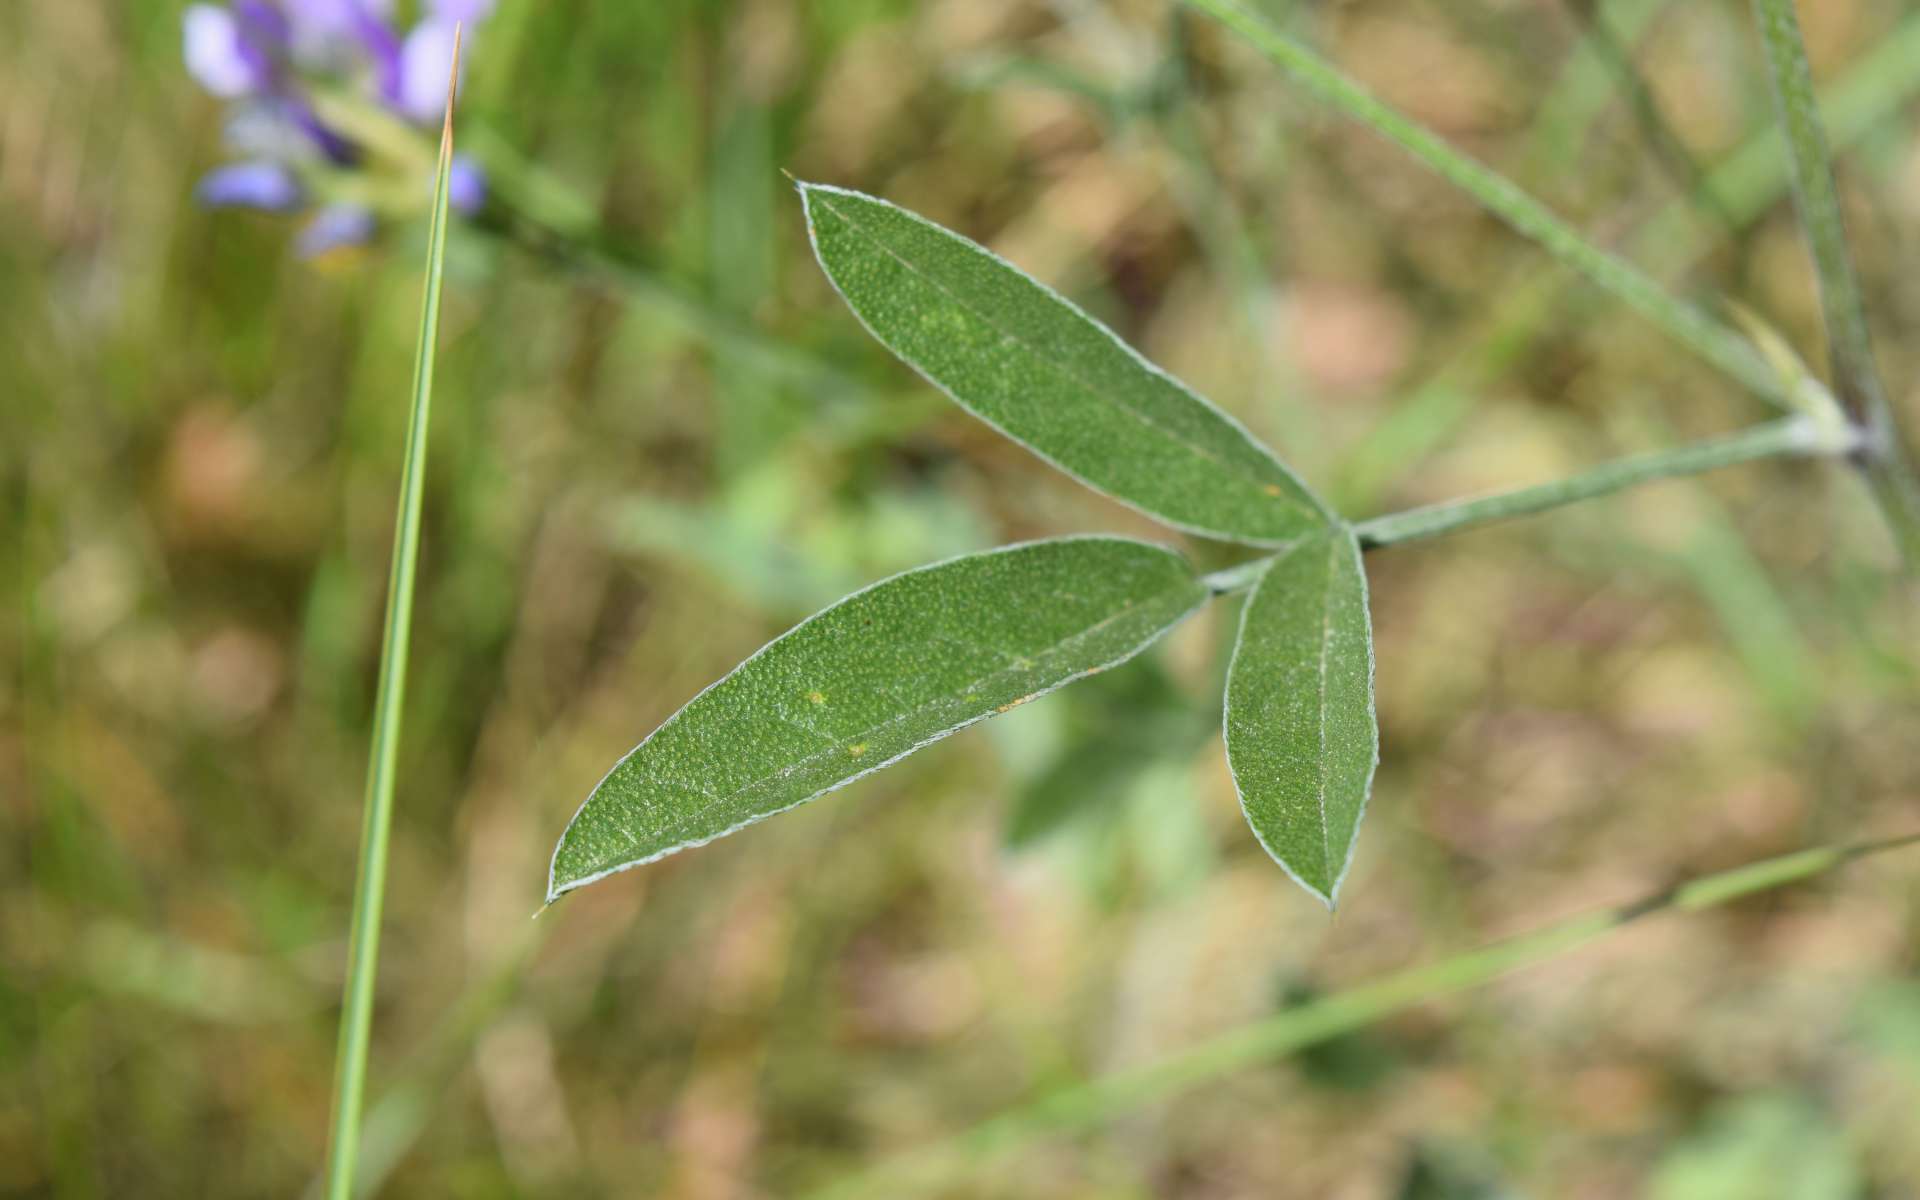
(267, 186)
(466, 185)
(335, 35)
(334, 227)
(452, 11)
(222, 54)
(261, 53)
(321, 25)
(426, 58)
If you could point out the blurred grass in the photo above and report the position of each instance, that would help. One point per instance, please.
(196, 487)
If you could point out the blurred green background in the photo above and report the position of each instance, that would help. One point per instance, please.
(640, 476)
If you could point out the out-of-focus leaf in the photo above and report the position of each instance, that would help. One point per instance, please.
(877, 676)
(1029, 363)
(1451, 1171)
(1768, 1146)
(1301, 738)
(1092, 773)
(1117, 728)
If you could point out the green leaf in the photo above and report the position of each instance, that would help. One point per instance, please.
(1020, 357)
(870, 680)
(1301, 739)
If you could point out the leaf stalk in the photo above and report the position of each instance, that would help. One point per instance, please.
(1790, 436)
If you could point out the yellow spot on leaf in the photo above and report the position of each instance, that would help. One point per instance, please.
(857, 749)
(817, 697)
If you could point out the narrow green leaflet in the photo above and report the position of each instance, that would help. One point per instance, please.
(1301, 739)
(1029, 363)
(872, 679)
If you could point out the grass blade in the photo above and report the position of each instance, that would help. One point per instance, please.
(356, 1017)
(1557, 135)
(1656, 131)
(1684, 322)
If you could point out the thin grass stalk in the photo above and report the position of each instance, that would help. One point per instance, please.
(363, 952)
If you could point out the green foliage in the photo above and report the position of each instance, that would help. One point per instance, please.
(872, 679)
(1300, 729)
(1760, 1147)
(661, 441)
(1032, 365)
(1301, 737)
(921, 655)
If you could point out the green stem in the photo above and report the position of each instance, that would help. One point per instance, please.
(1715, 342)
(1747, 182)
(1845, 313)
(1790, 435)
(363, 951)
(1885, 455)
(1085, 1105)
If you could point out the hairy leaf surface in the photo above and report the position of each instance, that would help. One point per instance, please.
(871, 679)
(1301, 738)
(1028, 362)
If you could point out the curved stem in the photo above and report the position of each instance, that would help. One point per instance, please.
(1081, 1106)
(1788, 436)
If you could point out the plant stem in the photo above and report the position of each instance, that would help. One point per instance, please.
(363, 952)
(1885, 454)
(1790, 435)
(1747, 182)
(1082, 1106)
(1712, 340)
